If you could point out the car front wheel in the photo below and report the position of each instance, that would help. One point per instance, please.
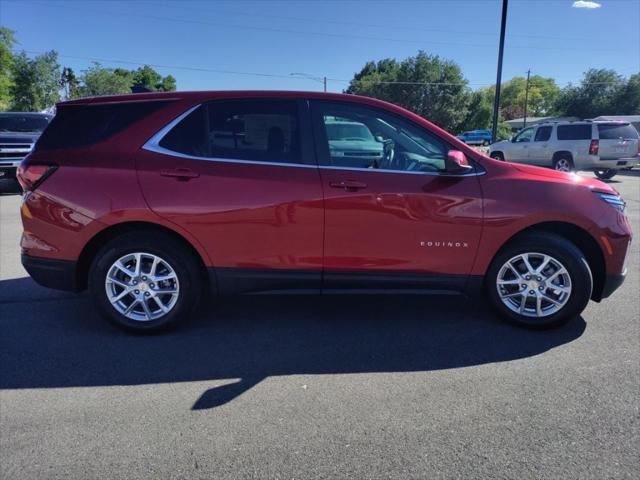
(541, 280)
(144, 281)
(606, 174)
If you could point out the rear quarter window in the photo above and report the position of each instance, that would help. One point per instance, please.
(574, 132)
(617, 131)
(83, 125)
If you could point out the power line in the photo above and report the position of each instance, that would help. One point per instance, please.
(324, 34)
(357, 24)
(274, 75)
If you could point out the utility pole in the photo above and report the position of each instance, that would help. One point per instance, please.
(325, 84)
(496, 102)
(526, 99)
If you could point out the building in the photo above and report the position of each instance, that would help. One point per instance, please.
(517, 124)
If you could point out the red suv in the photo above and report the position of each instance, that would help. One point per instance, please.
(150, 200)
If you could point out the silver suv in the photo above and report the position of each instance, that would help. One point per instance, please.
(602, 147)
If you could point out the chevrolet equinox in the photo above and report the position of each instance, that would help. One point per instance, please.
(151, 200)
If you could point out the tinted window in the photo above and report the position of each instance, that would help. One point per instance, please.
(525, 135)
(543, 134)
(23, 123)
(383, 141)
(82, 125)
(574, 132)
(615, 131)
(259, 130)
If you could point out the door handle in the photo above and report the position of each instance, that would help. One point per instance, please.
(179, 173)
(348, 185)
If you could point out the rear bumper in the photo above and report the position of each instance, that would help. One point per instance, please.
(51, 273)
(611, 284)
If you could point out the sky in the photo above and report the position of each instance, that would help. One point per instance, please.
(288, 45)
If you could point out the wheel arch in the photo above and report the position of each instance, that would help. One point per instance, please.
(581, 238)
(559, 153)
(109, 233)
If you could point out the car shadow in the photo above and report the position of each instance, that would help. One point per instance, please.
(57, 340)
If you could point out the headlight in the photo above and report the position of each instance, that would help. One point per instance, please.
(615, 201)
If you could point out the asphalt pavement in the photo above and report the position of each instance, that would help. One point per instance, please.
(317, 387)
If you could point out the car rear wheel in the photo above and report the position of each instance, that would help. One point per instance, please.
(497, 156)
(485, 143)
(563, 163)
(540, 281)
(606, 174)
(145, 282)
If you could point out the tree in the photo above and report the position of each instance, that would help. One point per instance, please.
(69, 83)
(601, 92)
(35, 82)
(7, 41)
(147, 77)
(542, 98)
(97, 80)
(425, 84)
(627, 99)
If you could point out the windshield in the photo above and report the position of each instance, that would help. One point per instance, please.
(614, 131)
(349, 131)
(23, 123)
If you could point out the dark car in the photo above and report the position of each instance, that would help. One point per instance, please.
(18, 133)
(151, 201)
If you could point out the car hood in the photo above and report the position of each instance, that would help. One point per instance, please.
(16, 137)
(501, 142)
(564, 177)
(355, 145)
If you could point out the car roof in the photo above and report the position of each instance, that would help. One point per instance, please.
(203, 96)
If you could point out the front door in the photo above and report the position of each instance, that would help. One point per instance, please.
(391, 212)
(518, 151)
(241, 177)
(539, 151)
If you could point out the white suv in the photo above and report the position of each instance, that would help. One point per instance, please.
(603, 147)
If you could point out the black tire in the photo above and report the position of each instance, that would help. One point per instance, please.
(566, 253)
(186, 266)
(607, 174)
(561, 160)
(497, 156)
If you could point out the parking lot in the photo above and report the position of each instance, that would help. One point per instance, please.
(313, 387)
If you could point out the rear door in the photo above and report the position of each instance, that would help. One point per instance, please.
(617, 140)
(400, 219)
(241, 176)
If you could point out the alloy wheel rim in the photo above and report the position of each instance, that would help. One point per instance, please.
(563, 165)
(534, 285)
(142, 286)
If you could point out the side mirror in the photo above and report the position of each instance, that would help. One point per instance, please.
(513, 139)
(457, 163)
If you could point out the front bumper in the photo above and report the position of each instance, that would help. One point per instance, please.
(52, 273)
(611, 284)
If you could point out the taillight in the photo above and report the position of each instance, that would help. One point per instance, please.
(31, 176)
(594, 147)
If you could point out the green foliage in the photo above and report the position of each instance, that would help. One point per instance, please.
(35, 82)
(543, 95)
(445, 104)
(601, 92)
(7, 41)
(97, 80)
(148, 78)
(480, 114)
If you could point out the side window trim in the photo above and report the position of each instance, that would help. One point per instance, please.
(307, 151)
